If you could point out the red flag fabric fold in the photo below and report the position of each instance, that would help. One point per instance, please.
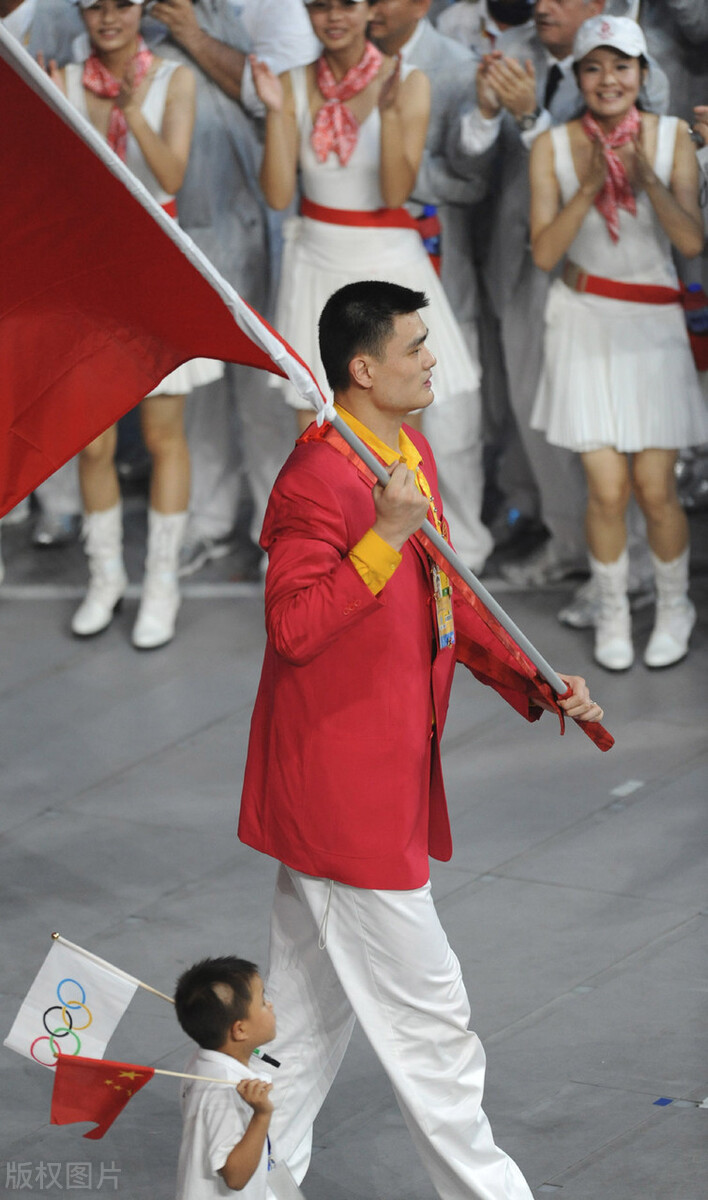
(94, 1089)
(101, 293)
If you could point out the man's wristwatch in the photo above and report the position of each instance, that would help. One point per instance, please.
(528, 120)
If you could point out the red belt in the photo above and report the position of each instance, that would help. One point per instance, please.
(578, 280)
(381, 218)
(170, 207)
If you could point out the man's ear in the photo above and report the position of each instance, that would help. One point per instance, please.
(360, 371)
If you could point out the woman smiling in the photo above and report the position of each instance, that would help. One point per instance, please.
(613, 192)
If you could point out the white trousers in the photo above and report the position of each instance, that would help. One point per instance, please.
(339, 954)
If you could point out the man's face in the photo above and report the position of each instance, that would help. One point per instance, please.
(393, 22)
(402, 377)
(558, 21)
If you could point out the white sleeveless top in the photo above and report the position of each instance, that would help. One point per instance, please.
(152, 108)
(643, 252)
(355, 186)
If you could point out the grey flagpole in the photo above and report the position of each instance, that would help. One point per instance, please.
(545, 669)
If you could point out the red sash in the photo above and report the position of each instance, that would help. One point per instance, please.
(379, 218)
(578, 280)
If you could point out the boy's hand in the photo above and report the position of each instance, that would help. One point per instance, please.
(256, 1093)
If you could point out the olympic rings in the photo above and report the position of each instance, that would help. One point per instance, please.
(71, 1003)
(54, 1008)
(72, 1024)
(55, 1052)
(67, 1007)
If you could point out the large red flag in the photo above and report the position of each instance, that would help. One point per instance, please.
(94, 1089)
(101, 293)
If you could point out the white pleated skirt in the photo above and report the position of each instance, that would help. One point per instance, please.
(617, 373)
(192, 374)
(319, 258)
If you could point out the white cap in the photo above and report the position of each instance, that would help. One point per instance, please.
(617, 33)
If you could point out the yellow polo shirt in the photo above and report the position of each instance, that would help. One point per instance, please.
(372, 557)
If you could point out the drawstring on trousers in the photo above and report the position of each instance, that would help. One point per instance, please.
(322, 940)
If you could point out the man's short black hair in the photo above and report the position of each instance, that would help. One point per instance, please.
(358, 319)
(211, 995)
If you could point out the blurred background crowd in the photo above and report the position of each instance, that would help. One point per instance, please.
(223, 143)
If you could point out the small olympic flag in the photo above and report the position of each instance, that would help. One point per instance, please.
(72, 1008)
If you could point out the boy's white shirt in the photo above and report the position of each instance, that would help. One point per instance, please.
(214, 1119)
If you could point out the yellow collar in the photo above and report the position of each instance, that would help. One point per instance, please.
(406, 452)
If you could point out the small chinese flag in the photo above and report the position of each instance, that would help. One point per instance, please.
(94, 1089)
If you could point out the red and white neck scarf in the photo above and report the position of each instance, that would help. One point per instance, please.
(336, 128)
(616, 191)
(98, 79)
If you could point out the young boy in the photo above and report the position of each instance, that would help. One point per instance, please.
(221, 1005)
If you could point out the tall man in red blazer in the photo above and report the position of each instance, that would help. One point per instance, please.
(343, 782)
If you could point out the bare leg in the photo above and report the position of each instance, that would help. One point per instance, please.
(162, 421)
(655, 489)
(97, 473)
(609, 490)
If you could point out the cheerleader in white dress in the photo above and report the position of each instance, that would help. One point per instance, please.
(355, 123)
(614, 191)
(144, 107)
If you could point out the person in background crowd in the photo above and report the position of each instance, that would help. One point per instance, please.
(355, 122)
(613, 192)
(700, 127)
(144, 107)
(478, 23)
(236, 431)
(677, 35)
(401, 27)
(526, 86)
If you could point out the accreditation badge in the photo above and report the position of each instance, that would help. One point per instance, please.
(281, 1183)
(442, 593)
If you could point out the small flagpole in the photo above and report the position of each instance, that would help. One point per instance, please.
(101, 962)
(546, 670)
(184, 1075)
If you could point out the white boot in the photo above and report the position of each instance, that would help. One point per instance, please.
(675, 615)
(613, 627)
(103, 543)
(160, 600)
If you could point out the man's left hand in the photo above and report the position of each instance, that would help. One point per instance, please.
(579, 705)
(179, 17)
(514, 84)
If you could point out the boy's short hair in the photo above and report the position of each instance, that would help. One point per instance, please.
(358, 319)
(211, 995)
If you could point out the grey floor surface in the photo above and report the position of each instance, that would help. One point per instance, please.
(576, 898)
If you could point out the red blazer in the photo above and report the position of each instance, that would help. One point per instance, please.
(343, 777)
